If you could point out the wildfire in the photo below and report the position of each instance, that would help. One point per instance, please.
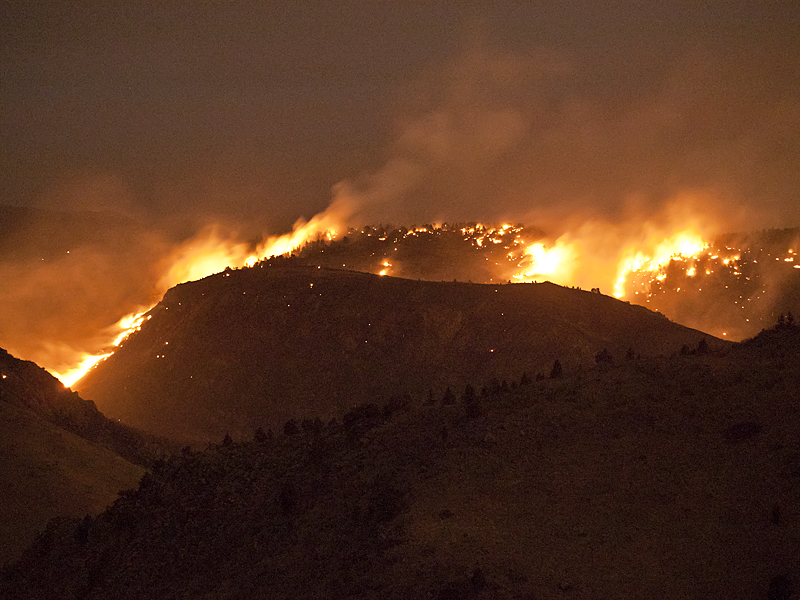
(70, 376)
(124, 327)
(595, 254)
(686, 245)
(555, 261)
(206, 255)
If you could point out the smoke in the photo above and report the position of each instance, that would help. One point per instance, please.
(69, 278)
(507, 137)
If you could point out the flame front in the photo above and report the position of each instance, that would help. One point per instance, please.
(123, 329)
(656, 254)
(556, 262)
(595, 254)
(206, 255)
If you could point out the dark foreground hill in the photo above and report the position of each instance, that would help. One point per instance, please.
(671, 478)
(58, 455)
(256, 347)
(25, 385)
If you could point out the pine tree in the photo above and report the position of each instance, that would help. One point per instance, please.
(556, 371)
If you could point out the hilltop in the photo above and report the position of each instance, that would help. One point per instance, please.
(738, 285)
(257, 347)
(672, 477)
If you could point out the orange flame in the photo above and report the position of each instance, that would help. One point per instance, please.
(206, 255)
(556, 262)
(657, 253)
(596, 254)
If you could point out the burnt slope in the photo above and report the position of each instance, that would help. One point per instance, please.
(255, 347)
(655, 478)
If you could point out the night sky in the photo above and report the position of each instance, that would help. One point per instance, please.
(256, 112)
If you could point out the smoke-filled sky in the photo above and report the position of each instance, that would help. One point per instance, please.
(255, 111)
(253, 114)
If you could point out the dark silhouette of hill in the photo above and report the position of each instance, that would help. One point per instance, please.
(58, 455)
(256, 347)
(674, 477)
(26, 385)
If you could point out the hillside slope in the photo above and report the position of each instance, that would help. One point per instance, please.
(47, 472)
(672, 478)
(24, 384)
(59, 456)
(255, 347)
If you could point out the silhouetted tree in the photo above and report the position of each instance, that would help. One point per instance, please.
(525, 380)
(431, 398)
(227, 441)
(495, 386)
(290, 428)
(396, 404)
(469, 394)
(472, 407)
(449, 397)
(630, 354)
(603, 357)
(702, 346)
(260, 437)
(287, 500)
(360, 419)
(477, 580)
(556, 371)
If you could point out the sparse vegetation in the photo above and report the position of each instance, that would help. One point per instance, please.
(610, 470)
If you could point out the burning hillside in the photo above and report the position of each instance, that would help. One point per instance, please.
(258, 346)
(677, 264)
(731, 286)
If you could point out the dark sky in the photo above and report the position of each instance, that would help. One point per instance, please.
(261, 112)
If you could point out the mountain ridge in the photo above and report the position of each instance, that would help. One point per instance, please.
(223, 354)
(59, 457)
